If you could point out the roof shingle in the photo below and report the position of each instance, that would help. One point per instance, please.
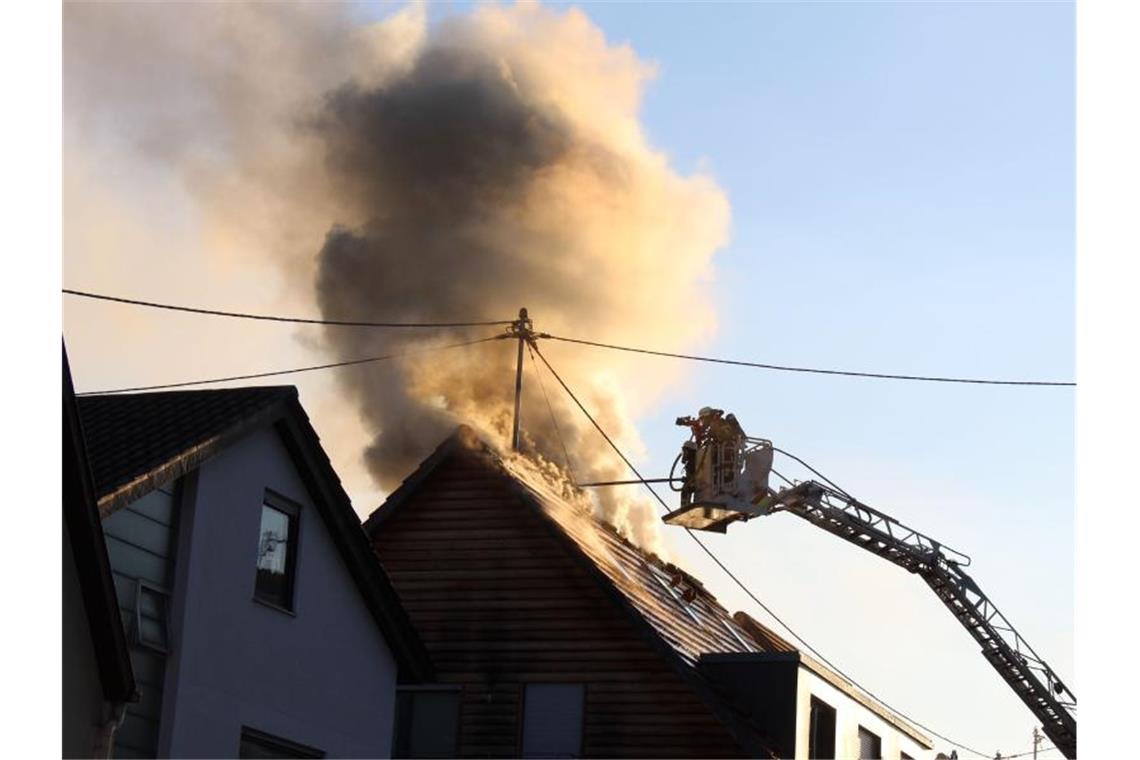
(131, 436)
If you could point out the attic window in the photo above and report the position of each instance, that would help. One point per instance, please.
(870, 745)
(277, 552)
(552, 719)
(821, 730)
(427, 721)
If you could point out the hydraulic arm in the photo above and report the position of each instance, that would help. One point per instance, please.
(726, 480)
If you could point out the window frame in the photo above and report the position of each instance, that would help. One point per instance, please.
(405, 711)
(813, 750)
(878, 754)
(292, 510)
(281, 746)
(141, 585)
(522, 717)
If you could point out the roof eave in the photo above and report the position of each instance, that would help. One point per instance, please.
(188, 459)
(82, 521)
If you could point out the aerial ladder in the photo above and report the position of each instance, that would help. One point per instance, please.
(726, 475)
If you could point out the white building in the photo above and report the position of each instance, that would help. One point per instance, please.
(259, 621)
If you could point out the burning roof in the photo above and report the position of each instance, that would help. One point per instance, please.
(679, 611)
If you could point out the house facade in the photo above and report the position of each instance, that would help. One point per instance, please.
(558, 638)
(258, 620)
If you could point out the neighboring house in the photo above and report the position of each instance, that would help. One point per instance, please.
(561, 639)
(97, 676)
(259, 620)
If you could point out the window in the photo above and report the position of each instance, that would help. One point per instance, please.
(821, 730)
(151, 616)
(427, 722)
(552, 719)
(258, 744)
(905, 756)
(870, 745)
(277, 552)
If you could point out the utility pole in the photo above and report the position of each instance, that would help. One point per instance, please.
(521, 327)
(1037, 737)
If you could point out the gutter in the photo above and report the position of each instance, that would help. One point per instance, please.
(105, 736)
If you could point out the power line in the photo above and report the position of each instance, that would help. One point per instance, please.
(1028, 752)
(550, 409)
(735, 579)
(812, 370)
(816, 472)
(295, 370)
(273, 318)
(580, 341)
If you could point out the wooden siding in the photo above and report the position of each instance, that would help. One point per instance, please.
(500, 600)
(140, 546)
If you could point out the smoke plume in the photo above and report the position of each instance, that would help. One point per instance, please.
(454, 172)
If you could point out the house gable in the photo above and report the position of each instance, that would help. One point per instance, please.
(320, 673)
(143, 443)
(502, 597)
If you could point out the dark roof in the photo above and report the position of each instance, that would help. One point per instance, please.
(679, 610)
(138, 442)
(135, 439)
(89, 549)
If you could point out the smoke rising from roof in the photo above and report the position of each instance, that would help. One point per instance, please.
(447, 173)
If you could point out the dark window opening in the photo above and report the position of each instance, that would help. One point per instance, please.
(152, 617)
(427, 722)
(905, 756)
(258, 744)
(821, 731)
(552, 718)
(277, 553)
(870, 745)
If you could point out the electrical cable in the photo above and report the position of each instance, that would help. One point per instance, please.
(295, 370)
(553, 419)
(1028, 752)
(817, 473)
(490, 323)
(812, 370)
(272, 318)
(735, 579)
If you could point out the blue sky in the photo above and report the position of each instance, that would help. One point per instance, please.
(902, 187)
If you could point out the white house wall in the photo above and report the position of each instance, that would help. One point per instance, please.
(324, 677)
(849, 715)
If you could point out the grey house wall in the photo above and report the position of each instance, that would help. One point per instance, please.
(323, 676)
(140, 547)
(83, 691)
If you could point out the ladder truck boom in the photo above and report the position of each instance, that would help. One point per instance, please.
(726, 480)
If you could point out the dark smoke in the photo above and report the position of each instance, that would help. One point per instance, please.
(402, 172)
